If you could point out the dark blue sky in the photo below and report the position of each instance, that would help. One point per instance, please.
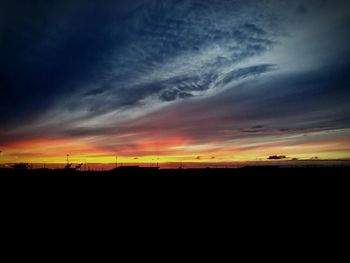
(94, 69)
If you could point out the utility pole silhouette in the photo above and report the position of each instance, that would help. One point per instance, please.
(116, 161)
(68, 166)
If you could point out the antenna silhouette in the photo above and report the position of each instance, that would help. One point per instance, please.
(69, 165)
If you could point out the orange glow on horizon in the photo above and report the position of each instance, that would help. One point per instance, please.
(167, 150)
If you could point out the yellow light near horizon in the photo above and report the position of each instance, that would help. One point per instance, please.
(55, 150)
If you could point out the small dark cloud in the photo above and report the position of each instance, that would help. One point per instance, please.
(170, 95)
(277, 157)
(284, 130)
(255, 129)
(249, 130)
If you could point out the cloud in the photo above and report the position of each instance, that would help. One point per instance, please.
(277, 157)
(173, 56)
(301, 9)
(208, 72)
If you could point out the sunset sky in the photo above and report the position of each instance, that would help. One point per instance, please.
(174, 80)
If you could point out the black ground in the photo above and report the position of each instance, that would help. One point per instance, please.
(251, 172)
(319, 184)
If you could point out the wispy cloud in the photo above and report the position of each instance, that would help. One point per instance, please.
(208, 73)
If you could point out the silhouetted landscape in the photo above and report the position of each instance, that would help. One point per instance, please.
(190, 88)
(262, 172)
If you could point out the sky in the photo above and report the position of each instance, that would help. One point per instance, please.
(174, 81)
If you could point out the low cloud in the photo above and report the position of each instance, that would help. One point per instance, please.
(277, 157)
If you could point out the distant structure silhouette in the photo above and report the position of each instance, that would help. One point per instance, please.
(68, 165)
(78, 167)
(21, 166)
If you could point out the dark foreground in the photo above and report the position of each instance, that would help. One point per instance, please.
(150, 183)
(246, 172)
